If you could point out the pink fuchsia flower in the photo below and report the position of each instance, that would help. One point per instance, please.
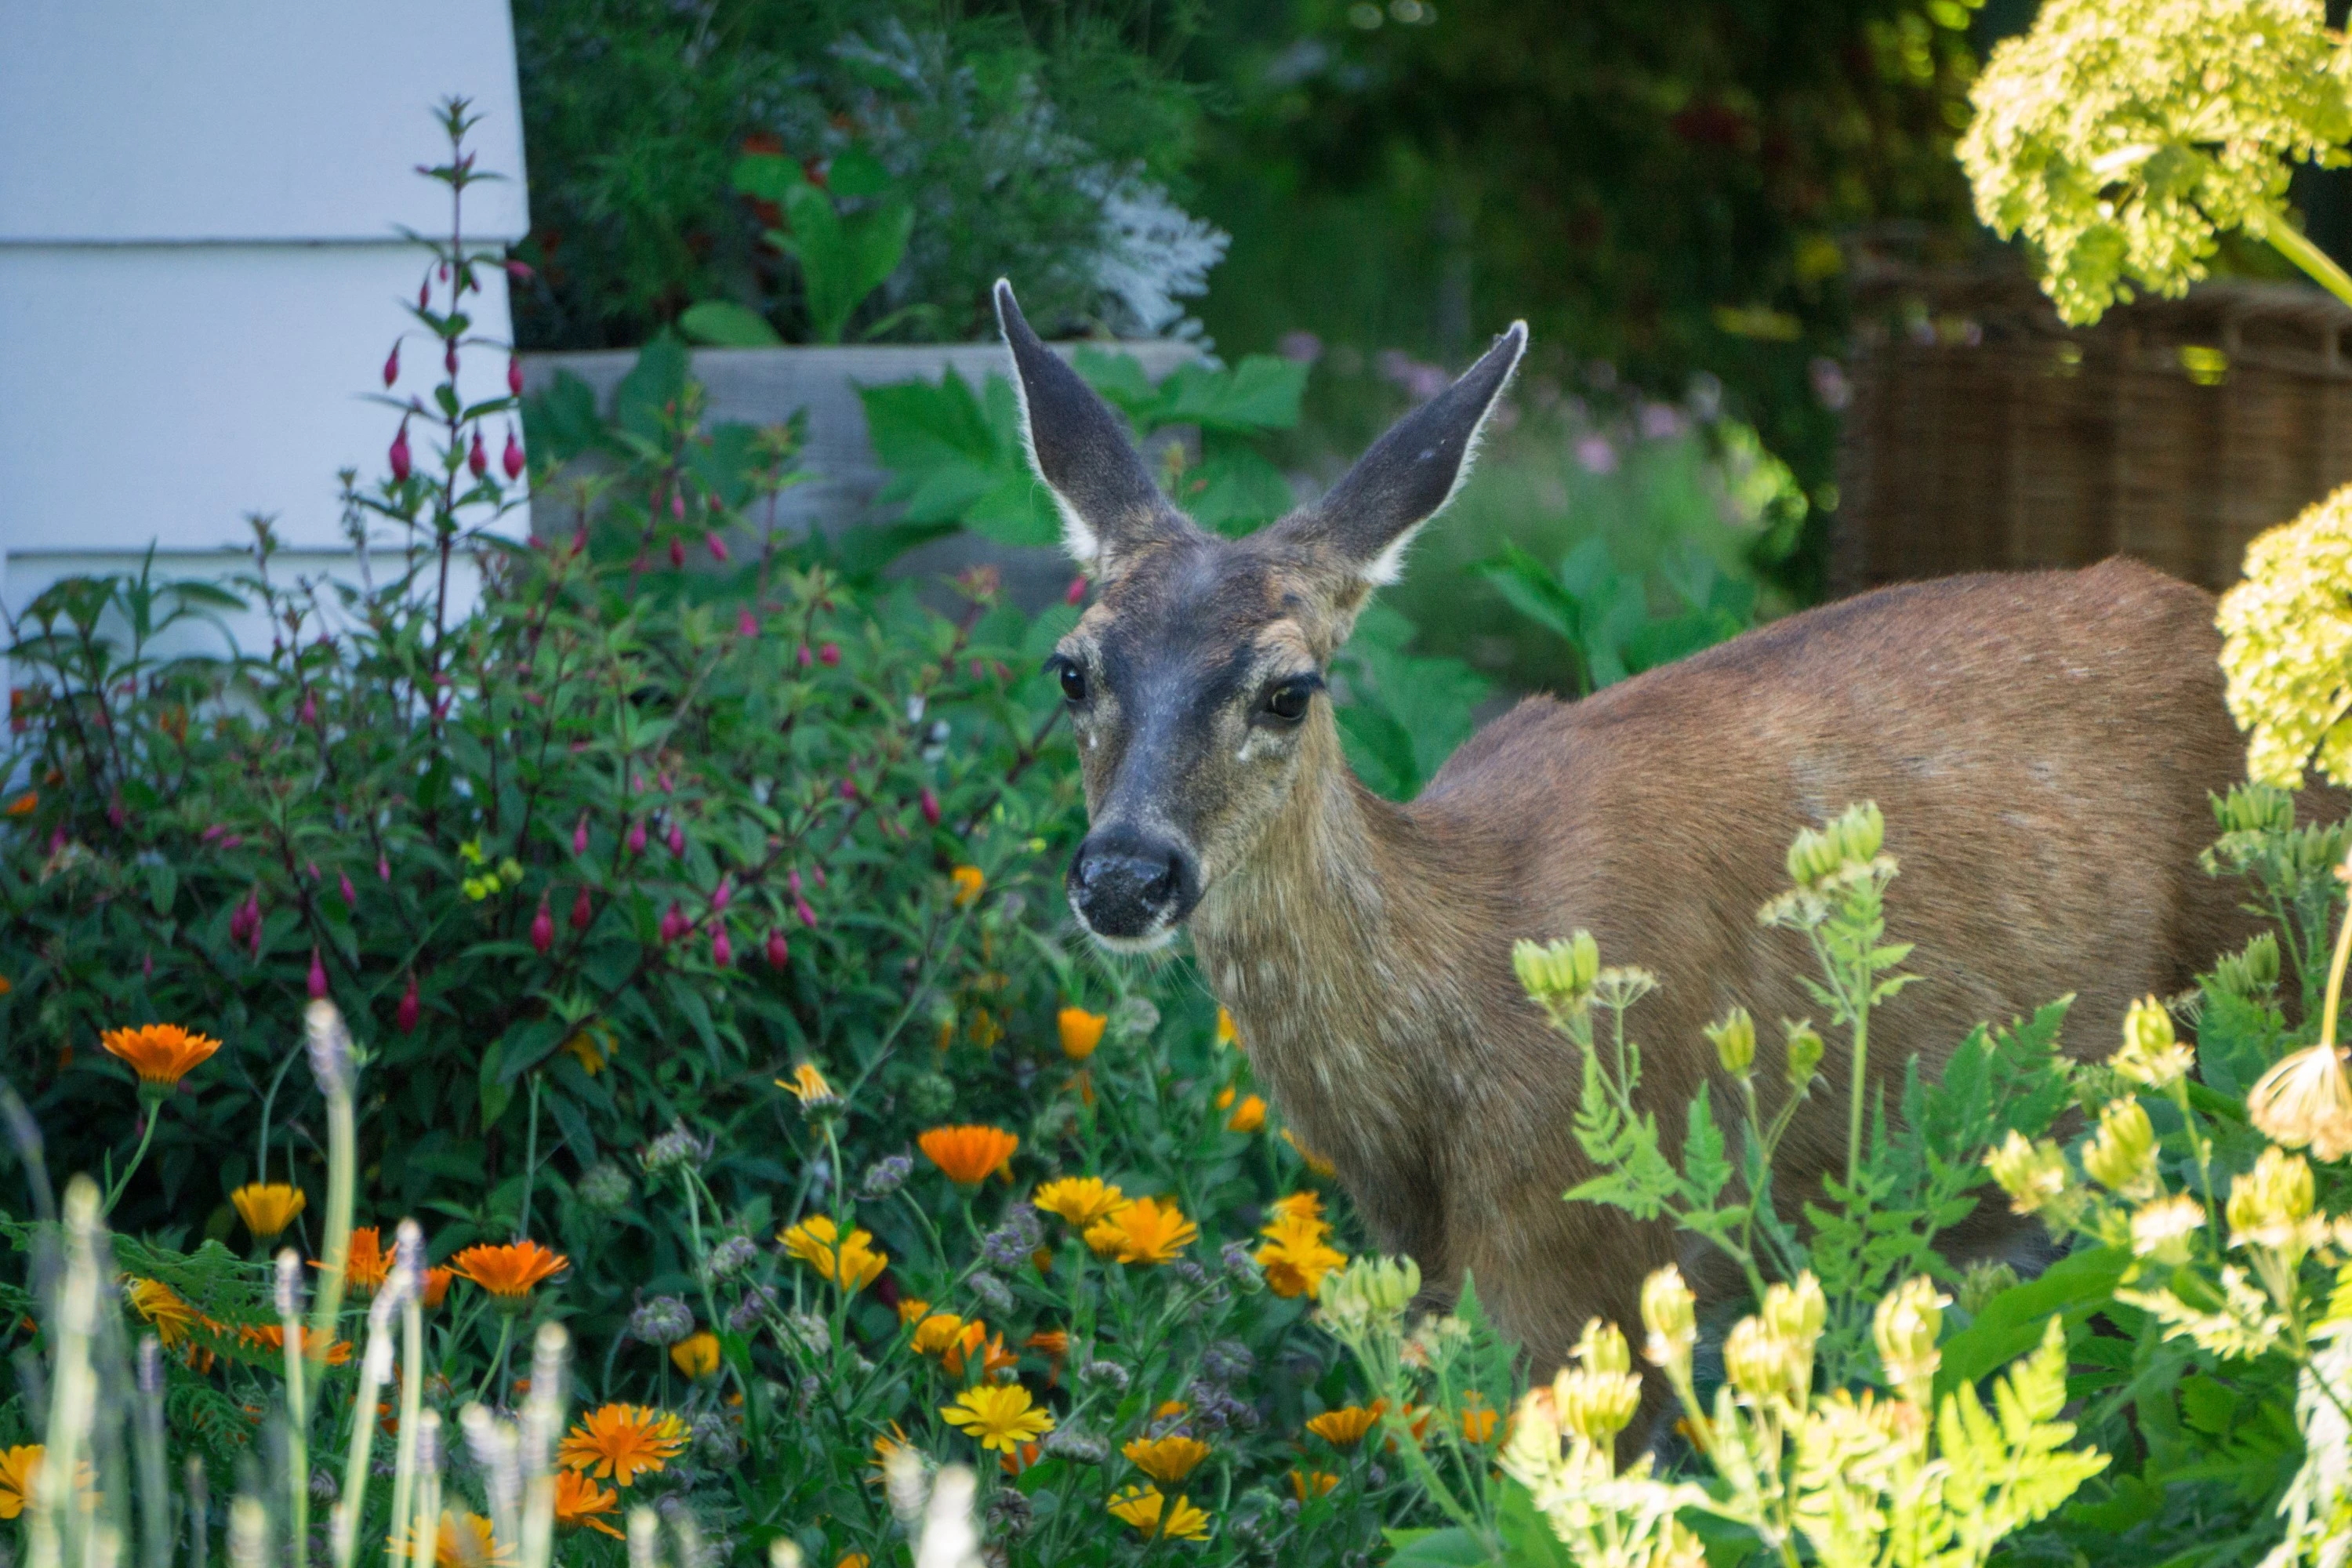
(392, 365)
(404, 1017)
(746, 623)
(636, 840)
(580, 835)
(521, 273)
(350, 894)
(930, 805)
(678, 503)
(674, 923)
(512, 462)
(780, 951)
(722, 951)
(677, 551)
(677, 837)
(477, 456)
(424, 293)
(829, 655)
(308, 713)
(807, 915)
(542, 927)
(721, 895)
(718, 545)
(583, 911)
(800, 656)
(383, 869)
(449, 357)
(1075, 591)
(514, 361)
(399, 455)
(318, 977)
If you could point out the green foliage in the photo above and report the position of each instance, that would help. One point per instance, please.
(1401, 713)
(955, 149)
(1605, 617)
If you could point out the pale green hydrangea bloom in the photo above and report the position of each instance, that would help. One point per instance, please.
(2286, 646)
(2121, 136)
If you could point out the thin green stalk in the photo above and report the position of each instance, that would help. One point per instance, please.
(529, 1164)
(114, 1195)
(2292, 243)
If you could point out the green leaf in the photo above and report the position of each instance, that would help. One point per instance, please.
(2070, 1290)
(727, 325)
(655, 383)
(1704, 1165)
(766, 176)
(1452, 1547)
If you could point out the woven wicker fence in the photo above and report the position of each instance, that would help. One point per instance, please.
(1983, 435)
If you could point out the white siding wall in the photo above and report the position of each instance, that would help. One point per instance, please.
(200, 270)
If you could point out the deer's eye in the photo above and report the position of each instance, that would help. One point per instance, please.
(1289, 701)
(1074, 683)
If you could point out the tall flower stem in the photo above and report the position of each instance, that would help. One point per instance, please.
(114, 1193)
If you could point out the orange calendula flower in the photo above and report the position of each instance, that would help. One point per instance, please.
(1315, 1163)
(1166, 1459)
(1317, 1482)
(935, 1334)
(1345, 1427)
(968, 1155)
(20, 1472)
(157, 1302)
(854, 1559)
(912, 1308)
(886, 1445)
(465, 1541)
(1248, 1116)
(267, 1207)
(1226, 1034)
(697, 1355)
(1001, 1415)
(509, 1272)
(1054, 1343)
(369, 1264)
(623, 1441)
(161, 1054)
(1143, 1232)
(24, 804)
(969, 880)
(1294, 1256)
(437, 1285)
(1081, 1032)
(808, 1086)
(589, 1049)
(1142, 1507)
(1478, 1418)
(853, 1264)
(1020, 1459)
(1081, 1200)
(579, 1501)
(272, 1337)
(1302, 1205)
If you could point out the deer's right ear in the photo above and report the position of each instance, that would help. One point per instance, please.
(1111, 507)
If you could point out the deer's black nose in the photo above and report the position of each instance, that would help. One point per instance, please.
(1129, 884)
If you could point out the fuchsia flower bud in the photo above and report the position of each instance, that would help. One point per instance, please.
(253, 932)
(723, 894)
(239, 923)
(930, 805)
(807, 915)
(521, 273)
(513, 461)
(678, 503)
(542, 927)
(147, 967)
(676, 836)
(1075, 591)
(404, 1017)
(583, 911)
(424, 294)
(722, 951)
(800, 656)
(829, 655)
(478, 461)
(820, 876)
(209, 833)
(793, 882)
(848, 789)
(115, 816)
(392, 366)
(350, 894)
(746, 623)
(677, 551)
(674, 923)
(400, 455)
(580, 835)
(579, 538)
(383, 869)
(718, 546)
(637, 836)
(514, 361)
(449, 357)
(318, 977)
(310, 869)
(780, 951)
(309, 711)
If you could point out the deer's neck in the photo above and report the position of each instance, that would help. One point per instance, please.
(1341, 949)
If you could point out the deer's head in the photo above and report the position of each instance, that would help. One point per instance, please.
(1195, 683)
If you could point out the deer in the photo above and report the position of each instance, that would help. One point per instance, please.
(2041, 744)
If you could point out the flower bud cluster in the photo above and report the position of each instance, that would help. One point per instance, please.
(2121, 1157)
(1839, 849)
(2033, 1172)
(1768, 1357)
(1369, 1293)
(1905, 1329)
(1735, 1041)
(2151, 1057)
(1558, 975)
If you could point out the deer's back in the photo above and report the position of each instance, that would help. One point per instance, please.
(2041, 744)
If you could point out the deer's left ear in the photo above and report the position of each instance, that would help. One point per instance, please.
(1368, 518)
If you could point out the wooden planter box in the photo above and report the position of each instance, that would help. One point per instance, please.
(1984, 434)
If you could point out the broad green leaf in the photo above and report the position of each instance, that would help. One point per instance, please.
(727, 325)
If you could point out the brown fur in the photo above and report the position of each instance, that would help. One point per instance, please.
(2041, 746)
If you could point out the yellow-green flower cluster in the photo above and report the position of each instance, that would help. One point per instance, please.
(2286, 646)
(2121, 136)
(490, 880)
